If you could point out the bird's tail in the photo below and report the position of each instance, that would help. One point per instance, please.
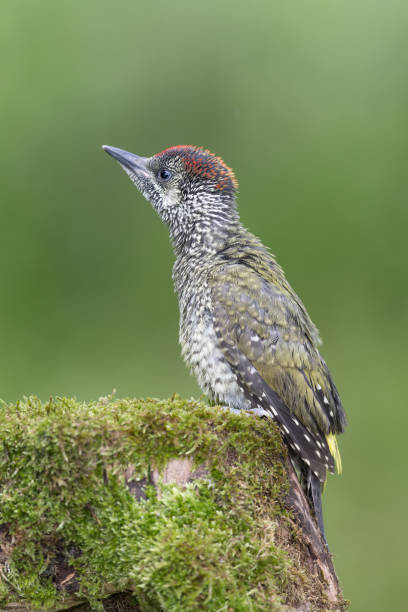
(312, 488)
(315, 497)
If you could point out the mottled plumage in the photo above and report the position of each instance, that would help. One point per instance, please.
(244, 332)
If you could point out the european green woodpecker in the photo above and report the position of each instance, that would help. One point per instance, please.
(244, 332)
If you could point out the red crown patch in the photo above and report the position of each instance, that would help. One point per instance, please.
(200, 162)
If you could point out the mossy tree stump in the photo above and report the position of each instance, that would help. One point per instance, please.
(175, 505)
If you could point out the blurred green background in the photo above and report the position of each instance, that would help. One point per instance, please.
(307, 101)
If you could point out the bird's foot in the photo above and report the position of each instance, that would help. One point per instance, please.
(230, 409)
(254, 411)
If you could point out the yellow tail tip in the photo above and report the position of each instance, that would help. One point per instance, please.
(334, 451)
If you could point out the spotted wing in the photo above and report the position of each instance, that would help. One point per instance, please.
(263, 337)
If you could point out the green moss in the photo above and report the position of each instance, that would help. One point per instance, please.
(209, 545)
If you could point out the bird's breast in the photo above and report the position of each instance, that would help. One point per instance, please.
(201, 350)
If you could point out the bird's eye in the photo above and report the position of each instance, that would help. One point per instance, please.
(164, 174)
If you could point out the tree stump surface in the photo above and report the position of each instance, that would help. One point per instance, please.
(311, 581)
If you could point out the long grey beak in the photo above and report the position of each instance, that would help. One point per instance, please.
(132, 162)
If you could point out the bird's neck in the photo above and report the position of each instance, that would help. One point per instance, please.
(201, 235)
(229, 243)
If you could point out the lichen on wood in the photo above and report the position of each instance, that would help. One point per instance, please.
(180, 505)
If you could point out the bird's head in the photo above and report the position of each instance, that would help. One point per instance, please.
(190, 188)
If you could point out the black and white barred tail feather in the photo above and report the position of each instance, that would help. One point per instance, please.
(315, 497)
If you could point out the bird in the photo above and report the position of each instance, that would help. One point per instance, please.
(244, 332)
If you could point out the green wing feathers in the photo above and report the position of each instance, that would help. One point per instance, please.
(258, 314)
